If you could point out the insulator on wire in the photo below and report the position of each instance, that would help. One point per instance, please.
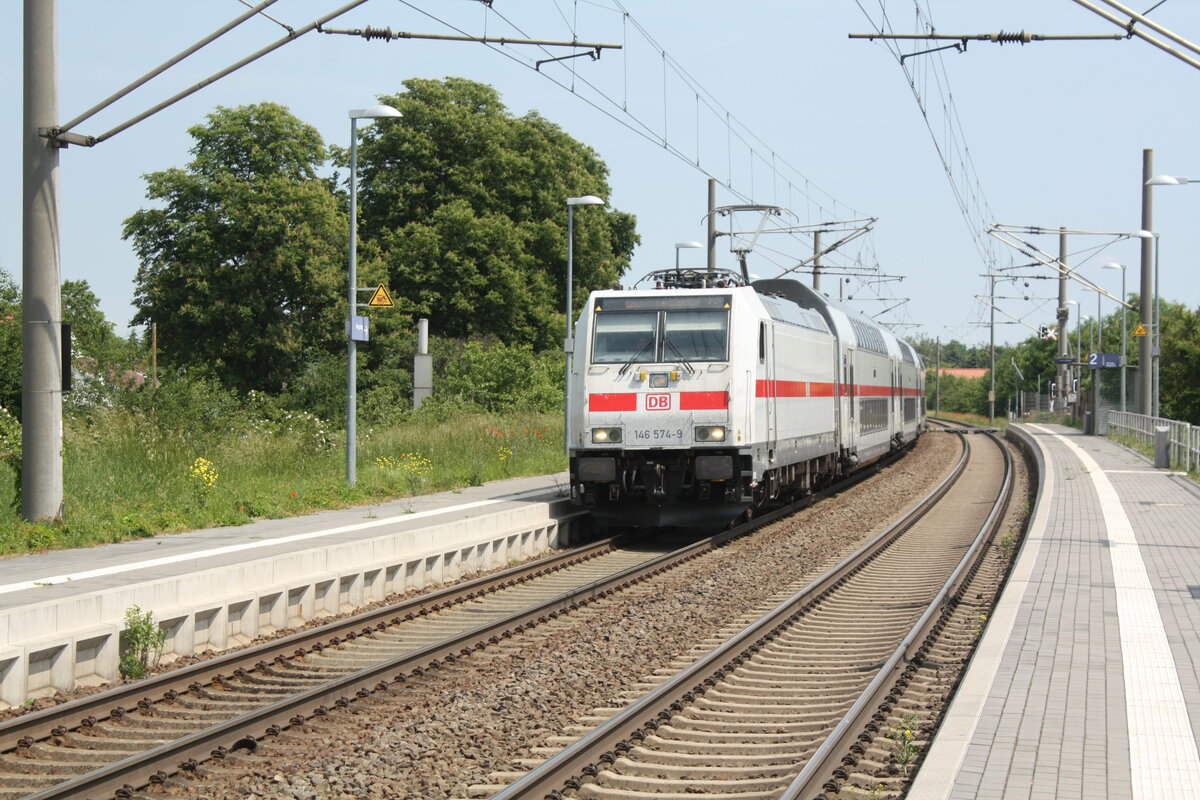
(1016, 37)
(378, 33)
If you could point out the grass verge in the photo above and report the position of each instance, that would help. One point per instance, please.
(127, 477)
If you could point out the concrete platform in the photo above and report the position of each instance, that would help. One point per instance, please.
(1086, 683)
(62, 613)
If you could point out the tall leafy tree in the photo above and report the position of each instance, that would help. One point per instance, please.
(1179, 364)
(241, 258)
(10, 344)
(466, 205)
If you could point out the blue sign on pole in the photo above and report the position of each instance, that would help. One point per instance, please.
(1104, 360)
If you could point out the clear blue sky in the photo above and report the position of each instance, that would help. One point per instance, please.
(1053, 131)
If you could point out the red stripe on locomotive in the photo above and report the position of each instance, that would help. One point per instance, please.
(699, 401)
(623, 401)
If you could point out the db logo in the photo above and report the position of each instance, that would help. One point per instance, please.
(658, 402)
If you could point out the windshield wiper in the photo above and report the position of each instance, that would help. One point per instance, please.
(687, 366)
(636, 356)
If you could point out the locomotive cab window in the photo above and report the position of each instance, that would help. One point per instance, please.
(695, 335)
(624, 336)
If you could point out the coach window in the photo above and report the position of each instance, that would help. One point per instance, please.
(762, 342)
(622, 336)
(695, 335)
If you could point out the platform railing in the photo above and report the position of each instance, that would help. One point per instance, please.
(1184, 438)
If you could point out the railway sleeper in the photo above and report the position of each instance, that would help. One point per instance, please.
(708, 759)
(47, 764)
(22, 784)
(722, 748)
(77, 758)
(616, 780)
(680, 772)
(117, 744)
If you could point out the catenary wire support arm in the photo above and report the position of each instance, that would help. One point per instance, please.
(1001, 38)
(108, 101)
(595, 54)
(985, 300)
(855, 233)
(64, 137)
(959, 46)
(1007, 235)
(388, 35)
(1129, 25)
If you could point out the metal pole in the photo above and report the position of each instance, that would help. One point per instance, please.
(817, 261)
(41, 367)
(351, 349)
(992, 370)
(1145, 356)
(1064, 341)
(569, 345)
(712, 225)
(937, 380)
(1124, 350)
(1155, 330)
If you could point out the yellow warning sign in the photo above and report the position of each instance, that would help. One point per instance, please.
(1140, 330)
(381, 298)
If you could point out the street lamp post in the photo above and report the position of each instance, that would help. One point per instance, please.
(569, 341)
(1156, 342)
(374, 112)
(682, 245)
(1078, 341)
(1124, 350)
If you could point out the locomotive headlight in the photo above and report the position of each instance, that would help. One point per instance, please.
(606, 435)
(710, 433)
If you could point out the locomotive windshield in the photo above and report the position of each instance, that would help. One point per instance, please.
(657, 336)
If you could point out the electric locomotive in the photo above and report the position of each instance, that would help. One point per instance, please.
(708, 396)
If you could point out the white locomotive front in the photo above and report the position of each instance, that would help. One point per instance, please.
(704, 397)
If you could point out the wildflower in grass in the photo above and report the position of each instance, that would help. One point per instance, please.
(413, 466)
(203, 473)
(504, 453)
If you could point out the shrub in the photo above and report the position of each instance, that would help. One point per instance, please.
(10, 450)
(144, 642)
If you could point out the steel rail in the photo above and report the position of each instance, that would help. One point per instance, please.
(809, 784)
(604, 743)
(159, 763)
(99, 707)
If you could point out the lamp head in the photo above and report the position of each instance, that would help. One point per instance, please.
(681, 245)
(1166, 180)
(1113, 265)
(374, 112)
(586, 200)
(1143, 234)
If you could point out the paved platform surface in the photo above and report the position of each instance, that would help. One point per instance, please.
(64, 573)
(1086, 683)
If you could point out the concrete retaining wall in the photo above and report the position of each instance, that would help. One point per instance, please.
(77, 641)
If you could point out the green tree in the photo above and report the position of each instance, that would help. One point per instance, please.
(241, 261)
(1179, 364)
(466, 206)
(10, 344)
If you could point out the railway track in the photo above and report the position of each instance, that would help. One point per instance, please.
(139, 735)
(780, 709)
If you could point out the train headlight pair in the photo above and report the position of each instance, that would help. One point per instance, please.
(606, 435)
(710, 433)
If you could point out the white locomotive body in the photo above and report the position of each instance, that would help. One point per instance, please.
(691, 405)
